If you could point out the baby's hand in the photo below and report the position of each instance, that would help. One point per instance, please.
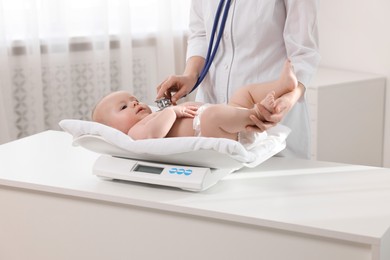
(185, 111)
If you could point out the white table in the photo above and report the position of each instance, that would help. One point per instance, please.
(52, 207)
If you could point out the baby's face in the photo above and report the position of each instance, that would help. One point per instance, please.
(120, 110)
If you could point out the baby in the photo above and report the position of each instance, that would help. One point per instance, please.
(123, 111)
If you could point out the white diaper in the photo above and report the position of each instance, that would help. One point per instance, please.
(246, 138)
(196, 122)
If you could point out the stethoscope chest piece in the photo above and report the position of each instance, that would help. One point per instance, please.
(163, 103)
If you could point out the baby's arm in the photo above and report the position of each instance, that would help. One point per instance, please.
(158, 124)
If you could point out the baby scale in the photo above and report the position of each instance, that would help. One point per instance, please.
(190, 178)
(197, 171)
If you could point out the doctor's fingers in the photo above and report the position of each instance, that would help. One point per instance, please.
(163, 87)
(282, 106)
(262, 112)
(171, 84)
(259, 126)
(181, 92)
(269, 117)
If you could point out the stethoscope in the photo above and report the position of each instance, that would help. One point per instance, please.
(212, 49)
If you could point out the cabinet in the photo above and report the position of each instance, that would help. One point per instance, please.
(53, 207)
(347, 116)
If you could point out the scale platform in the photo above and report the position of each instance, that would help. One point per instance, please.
(191, 178)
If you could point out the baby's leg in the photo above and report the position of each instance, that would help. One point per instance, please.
(225, 121)
(250, 95)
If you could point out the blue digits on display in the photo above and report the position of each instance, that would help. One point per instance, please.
(180, 171)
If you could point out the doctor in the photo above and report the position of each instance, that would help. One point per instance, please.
(259, 35)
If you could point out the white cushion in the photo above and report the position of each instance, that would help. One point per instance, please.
(197, 151)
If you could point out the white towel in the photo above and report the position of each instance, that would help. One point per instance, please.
(272, 142)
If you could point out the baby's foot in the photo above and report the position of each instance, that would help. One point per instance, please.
(287, 79)
(269, 101)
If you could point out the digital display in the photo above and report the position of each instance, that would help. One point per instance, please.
(148, 169)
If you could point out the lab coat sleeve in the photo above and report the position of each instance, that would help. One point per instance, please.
(197, 41)
(301, 37)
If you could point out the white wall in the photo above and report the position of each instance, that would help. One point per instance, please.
(355, 35)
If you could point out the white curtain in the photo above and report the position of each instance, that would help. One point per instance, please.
(58, 57)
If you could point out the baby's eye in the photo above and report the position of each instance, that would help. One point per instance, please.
(123, 107)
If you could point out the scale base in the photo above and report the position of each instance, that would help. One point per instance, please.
(188, 178)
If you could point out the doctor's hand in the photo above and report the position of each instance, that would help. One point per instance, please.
(175, 87)
(283, 105)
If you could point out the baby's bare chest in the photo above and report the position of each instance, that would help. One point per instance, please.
(181, 128)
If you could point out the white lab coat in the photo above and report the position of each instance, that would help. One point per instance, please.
(259, 36)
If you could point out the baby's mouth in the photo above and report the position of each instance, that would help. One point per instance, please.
(139, 109)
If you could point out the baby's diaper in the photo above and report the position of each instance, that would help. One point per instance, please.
(246, 138)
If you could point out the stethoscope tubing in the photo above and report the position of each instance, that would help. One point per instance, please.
(212, 50)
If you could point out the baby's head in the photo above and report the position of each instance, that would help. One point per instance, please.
(120, 110)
